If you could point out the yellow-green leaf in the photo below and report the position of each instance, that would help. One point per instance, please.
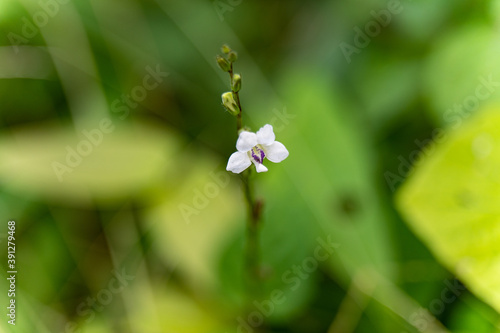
(110, 161)
(452, 202)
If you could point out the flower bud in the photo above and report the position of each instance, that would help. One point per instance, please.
(225, 49)
(223, 64)
(230, 104)
(236, 84)
(232, 56)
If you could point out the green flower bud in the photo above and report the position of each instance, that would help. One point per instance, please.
(225, 49)
(230, 104)
(236, 84)
(223, 64)
(232, 56)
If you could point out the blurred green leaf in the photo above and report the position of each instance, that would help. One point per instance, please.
(385, 86)
(191, 220)
(471, 315)
(52, 162)
(460, 62)
(329, 165)
(451, 202)
(421, 19)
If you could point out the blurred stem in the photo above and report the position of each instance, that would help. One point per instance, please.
(374, 286)
(352, 306)
(252, 234)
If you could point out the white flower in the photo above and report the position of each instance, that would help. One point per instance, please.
(254, 147)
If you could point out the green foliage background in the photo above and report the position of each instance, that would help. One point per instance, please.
(391, 159)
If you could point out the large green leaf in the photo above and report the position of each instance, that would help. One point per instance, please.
(451, 202)
(53, 162)
(328, 169)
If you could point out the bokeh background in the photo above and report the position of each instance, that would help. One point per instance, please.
(113, 146)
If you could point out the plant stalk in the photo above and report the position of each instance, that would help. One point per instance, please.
(254, 208)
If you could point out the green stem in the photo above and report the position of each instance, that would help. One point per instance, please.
(252, 226)
(254, 208)
(239, 124)
(252, 255)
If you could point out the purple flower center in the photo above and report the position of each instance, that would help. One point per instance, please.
(258, 154)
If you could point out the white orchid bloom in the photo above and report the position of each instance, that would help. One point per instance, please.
(254, 147)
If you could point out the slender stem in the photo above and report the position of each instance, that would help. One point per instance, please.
(252, 253)
(239, 124)
(254, 208)
(352, 307)
(254, 214)
(252, 228)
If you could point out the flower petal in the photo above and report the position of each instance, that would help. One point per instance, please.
(260, 167)
(246, 141)
(238, 162)
(276, 152)
(265, 136)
